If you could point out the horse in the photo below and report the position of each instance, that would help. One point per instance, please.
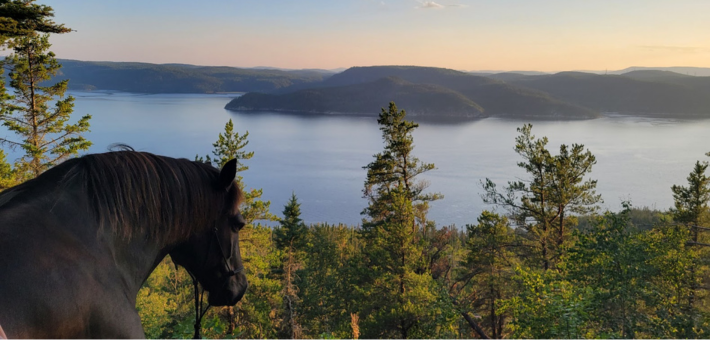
(78, 242)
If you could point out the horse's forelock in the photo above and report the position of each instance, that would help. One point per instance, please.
(236, 197)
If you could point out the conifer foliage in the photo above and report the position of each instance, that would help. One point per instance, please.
(289, 238)
(398, 279)
(544, 203)
(292, 229)
(20, 18)
(7, 178)
(230, 145)
(45, 133)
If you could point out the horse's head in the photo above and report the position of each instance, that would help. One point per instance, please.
(213, 256)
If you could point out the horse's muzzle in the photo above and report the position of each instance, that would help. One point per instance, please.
(231, 293)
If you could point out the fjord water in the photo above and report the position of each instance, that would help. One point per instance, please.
(320, 158)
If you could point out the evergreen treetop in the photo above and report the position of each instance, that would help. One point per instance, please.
(292, 229)
(691, 202)
(47, 137)
(20, 18)
(229, 146)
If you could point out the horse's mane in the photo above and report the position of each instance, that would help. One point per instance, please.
(141, 194)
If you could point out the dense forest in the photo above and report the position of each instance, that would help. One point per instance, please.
(552, 266)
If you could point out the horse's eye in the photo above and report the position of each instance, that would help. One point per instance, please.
(237, 222)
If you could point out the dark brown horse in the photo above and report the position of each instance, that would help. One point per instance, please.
(77, 243)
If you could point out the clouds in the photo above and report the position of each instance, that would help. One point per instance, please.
(430, 5)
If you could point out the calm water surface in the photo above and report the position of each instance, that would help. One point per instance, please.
(320, 158)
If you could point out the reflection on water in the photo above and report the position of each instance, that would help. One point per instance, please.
(320, 158)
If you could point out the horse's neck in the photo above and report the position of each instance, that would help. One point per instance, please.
(134, 259)
(130, 261)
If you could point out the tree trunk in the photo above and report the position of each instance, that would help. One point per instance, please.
(230, 317)
(470, 321)
(474, 325)
(493, 313)
(35, 163)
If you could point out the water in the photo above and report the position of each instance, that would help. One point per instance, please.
(320, 158)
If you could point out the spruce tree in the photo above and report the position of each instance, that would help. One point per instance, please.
(691, 209)
(292, 229)
(230, 145)
(691, 202)
(288, 238)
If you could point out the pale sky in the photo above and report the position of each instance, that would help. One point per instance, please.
(539, 35)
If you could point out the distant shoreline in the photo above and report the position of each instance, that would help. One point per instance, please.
(414, 116)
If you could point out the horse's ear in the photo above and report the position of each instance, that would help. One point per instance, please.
(227, 174)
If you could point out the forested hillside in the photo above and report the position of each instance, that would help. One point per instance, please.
(548, 263)
(451, 93)
(366, 98)
(640, 92)
(179, 78)
(495, 97)
(565, 95)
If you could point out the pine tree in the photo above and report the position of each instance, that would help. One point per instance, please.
(20, 18)
(398, 274)
(396, 166)
(46, 136)
(556, 188)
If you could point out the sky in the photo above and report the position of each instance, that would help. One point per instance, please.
(503, 35)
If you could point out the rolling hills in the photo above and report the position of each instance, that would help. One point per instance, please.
(640, 92)
(424, 91)
(495, 97)
(179, 78)
(364, 98)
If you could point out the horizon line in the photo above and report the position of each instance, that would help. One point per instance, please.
(345, 68)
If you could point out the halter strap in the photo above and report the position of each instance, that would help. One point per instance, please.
(199, 312)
